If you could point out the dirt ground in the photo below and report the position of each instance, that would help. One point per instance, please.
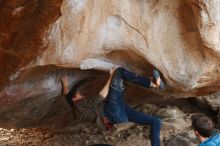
(175, 129)
(136, 135)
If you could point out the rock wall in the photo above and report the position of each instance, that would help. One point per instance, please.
(181, 38)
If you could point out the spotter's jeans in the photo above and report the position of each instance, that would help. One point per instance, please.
(117, 111)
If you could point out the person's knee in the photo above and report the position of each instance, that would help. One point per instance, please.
(156, 122)
(117, 81)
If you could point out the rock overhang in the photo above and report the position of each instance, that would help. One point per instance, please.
(171, 36)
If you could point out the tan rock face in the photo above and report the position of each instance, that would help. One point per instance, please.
(207, 14)
(180, 38)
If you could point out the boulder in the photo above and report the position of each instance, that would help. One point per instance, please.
(40, 38)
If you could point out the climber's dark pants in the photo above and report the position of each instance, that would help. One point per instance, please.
(117, 111)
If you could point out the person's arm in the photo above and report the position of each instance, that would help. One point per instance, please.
(64, 81)
(104, 91)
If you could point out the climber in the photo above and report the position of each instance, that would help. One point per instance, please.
(204, 130)
(108, 106)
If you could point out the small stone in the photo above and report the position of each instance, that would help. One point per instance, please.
(140, 134)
